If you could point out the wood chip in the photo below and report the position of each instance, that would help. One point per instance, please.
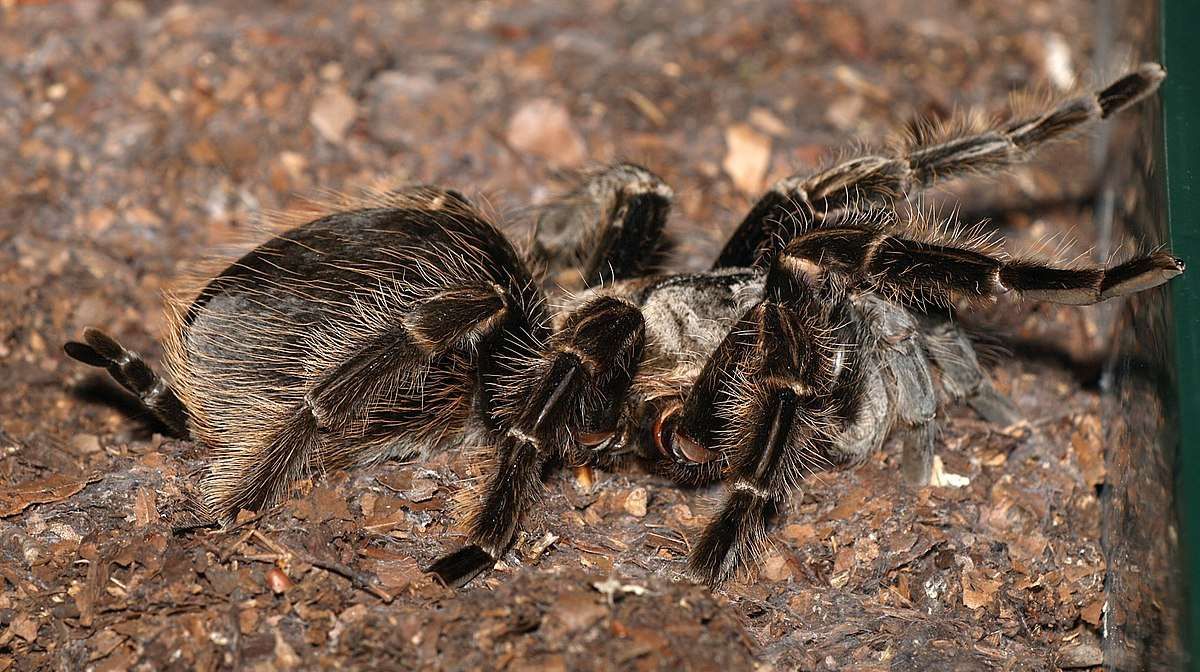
(332, 114)
(635, 502)
(277, 581)
(543, 127)
(51, 489)
(747, 155)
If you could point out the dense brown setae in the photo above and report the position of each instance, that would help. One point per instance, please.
(411, 324)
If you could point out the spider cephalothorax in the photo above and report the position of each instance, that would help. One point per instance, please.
(413, 324)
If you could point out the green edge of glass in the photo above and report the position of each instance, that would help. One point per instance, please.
(1181, 133)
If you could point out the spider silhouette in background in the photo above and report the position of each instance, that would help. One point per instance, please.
(411, 324)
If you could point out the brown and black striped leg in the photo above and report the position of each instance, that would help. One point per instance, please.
(918, 272)
(783, 395)
(131, 371)
(609, 228)
(385, 369)
(785, 385)
(541, 404)
(457, 320)
(935, 153)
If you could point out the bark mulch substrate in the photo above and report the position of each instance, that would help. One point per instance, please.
(138, 135)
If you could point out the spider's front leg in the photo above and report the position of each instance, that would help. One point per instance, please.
(793, 388)
(773, 402)
(540, 407)
(935, 153)
(936, 270)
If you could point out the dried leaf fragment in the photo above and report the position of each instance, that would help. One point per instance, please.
(747, 155)
(940, 478)
(25, 627)
(978, 591)
(543, 127)
(51, 489)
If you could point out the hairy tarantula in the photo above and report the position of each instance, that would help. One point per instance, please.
(414, 324)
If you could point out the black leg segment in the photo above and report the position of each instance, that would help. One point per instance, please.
(540, 405)
(131, 372)
(609, 228)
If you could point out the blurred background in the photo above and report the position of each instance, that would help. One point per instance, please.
(138, 136)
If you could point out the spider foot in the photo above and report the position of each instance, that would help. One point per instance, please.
(457, 569)
(733, 539)
(129, 370)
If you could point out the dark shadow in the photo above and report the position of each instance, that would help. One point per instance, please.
(101, 390)
(1084, 370)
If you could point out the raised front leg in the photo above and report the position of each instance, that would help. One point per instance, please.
(919, 271)
(931, 154)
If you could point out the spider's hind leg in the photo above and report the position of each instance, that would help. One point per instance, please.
(346, 399)
(134, 374)
(608, 228)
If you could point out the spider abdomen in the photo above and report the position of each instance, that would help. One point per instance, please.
(316, 349)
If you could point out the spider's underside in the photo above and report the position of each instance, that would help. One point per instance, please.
(414, 324)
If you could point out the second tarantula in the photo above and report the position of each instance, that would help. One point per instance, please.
(414, 324)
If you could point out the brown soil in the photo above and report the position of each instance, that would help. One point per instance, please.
(140, 135)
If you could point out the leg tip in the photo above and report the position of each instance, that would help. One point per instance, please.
(1179, 266)
(85, 353)
(733, 540)
(707, 571)
(102, 343)
(1138, 84)
(1140, 274)
(457, 569)
(1152, 72)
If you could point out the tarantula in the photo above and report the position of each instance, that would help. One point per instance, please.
(414, 324)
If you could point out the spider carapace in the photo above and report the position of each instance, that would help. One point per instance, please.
(412, 324)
